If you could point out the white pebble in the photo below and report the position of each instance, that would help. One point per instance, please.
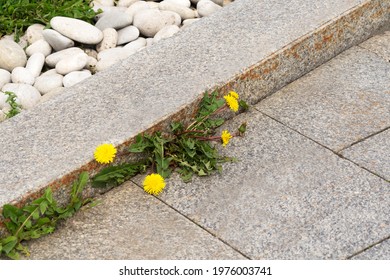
(53, 59)
(166, 32)
(34, 33)
(136, 45)
(185, 3)
(5, 77)
(184, 12)
(77, 30)
(40, 46)
(56, 40)
(27, 95)
(46, 83)
(206, 8)
(114, 19)
(11, 55)
(126, 3)
(35, 64)
(110, 39)
(108, 3)
(150, 21)
(22, 75)
(70, 64)
(127, 34)
(136, 7)
(75, 77)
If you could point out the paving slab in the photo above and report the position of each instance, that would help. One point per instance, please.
(379, 44)
(130, 224)
(286, 197)
(380, 251)
(252, 46)
(341, 102)
(372, 154)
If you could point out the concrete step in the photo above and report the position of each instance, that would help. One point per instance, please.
(306, 184)
(252, 46)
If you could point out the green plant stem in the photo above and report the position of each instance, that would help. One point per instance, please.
(196, 123)
(25, 221)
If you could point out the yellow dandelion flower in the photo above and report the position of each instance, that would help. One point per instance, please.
(226, 136)
(234, 94)
(154, 184)
(105, 153)
(231, 102)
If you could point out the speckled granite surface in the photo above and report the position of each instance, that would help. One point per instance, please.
(339, 103)
(252, 46)
(130, 224)
(287, 196)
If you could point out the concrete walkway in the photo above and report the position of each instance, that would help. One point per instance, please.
(312, 182)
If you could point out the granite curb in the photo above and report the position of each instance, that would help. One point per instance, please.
(51, 144)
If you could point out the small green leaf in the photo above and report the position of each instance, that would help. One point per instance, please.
(140, 145)
(242, 128)
(9, 243)
(176, 127)
(243, 105)
(11, 212)
(49, 195)
(43, 207)
(35, 214)
(202, 173)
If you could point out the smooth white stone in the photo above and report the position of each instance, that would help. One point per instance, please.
(190, 21)
(21, 75)
(5, 77)
(152, 5)
(166, 32)
(11, 55)
(34, 33)
(48, 72)
(75, 77)
(127, 34)
(51, 94)
(114, 19)
(108, 3)
(136, 7)
(109, 57)
(40, 46)
(106, 9)
(136, 45)
(70, 64)
(150, 21)
(3, 102)
(185, 3)
(10, 37)
(149, 42)
(46, 83)
(172, 17)
(77, 30)
(56, 40)
(23, 43)
(184, 12)
(110, 39)
(53, 59)
(206, 8)
(219, 2)
(126, 3)
(27, 95)
(35, 64)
